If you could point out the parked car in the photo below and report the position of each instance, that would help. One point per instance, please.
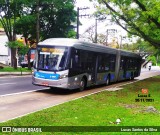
(25, 63)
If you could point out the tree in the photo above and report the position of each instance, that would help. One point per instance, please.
(144, 47)
(19, 17)
(10, 10)
(7, 19)
(90, 35)
(56, 18)
(26, 27)
(137, 17)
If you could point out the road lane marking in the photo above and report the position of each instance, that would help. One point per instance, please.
(7, 83)
(18, 93)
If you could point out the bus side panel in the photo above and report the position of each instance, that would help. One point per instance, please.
(129, 67)
(117, 67)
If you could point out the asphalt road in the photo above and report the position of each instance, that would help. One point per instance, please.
(21, 84)
(17, 84)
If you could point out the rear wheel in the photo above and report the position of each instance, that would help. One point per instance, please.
(82, 85)
(132, 76)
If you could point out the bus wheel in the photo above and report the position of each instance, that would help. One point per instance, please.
(107, 80)
(132, 77)
(82, 84)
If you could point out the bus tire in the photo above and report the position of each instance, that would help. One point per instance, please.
(82, 85)
(107, 80)
(132, 76)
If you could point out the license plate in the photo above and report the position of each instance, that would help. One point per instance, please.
(45, 83)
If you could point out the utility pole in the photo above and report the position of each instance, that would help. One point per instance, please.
(78, 15)
(97, 17)
(78, 23)
(96, 30)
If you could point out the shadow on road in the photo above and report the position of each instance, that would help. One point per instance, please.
(60, 91)
(57, 91)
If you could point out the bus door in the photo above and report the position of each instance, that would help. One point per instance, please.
(123, 67)
(95, 67)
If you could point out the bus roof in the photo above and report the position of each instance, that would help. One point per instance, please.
(78, 44)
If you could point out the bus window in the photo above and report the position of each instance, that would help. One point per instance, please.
(112, 63)
(52, 58)
(75, 59)
(105, 62)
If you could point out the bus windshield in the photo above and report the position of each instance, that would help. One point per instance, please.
(52, 59)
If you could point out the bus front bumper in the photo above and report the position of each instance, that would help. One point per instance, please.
(61, 83)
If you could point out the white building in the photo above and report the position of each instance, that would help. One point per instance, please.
(4, 51)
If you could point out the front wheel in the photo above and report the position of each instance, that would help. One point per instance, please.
(82, 84)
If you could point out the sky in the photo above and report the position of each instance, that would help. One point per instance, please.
(86, 22)
(101, 26)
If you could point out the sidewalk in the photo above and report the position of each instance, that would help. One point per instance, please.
(153, 68)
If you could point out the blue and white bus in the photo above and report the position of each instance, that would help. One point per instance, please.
(71, 64)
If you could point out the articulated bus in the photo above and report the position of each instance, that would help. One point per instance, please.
(74, 64)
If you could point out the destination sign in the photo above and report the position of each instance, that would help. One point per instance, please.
(53, 50)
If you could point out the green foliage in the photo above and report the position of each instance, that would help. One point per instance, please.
(55, 21)
(55, 18)
(22, 50)
(14, 44)
(71, 34)
(152, 59)
(141, 46)
(1, 25)
(26, 26)
(138, 17)
(10, 69)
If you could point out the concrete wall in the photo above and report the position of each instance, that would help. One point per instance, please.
(4, 51)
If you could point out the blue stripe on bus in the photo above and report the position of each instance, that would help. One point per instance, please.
(128, 74)
(112, 76)
(47, 75)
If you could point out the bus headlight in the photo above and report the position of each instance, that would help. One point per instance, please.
(63, 76)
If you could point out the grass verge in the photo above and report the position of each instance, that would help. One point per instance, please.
(102, 109)
(11, 69)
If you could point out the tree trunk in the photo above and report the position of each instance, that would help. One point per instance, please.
(29, 58)
(13, 58)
